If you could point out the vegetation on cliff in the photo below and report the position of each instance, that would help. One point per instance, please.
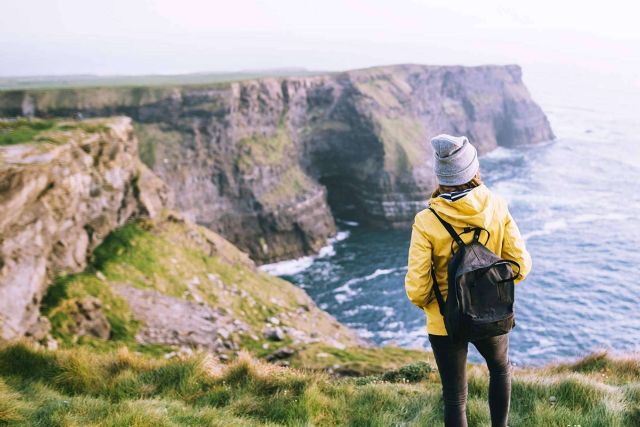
(190, 266)
(125, 381)
(64, 186)
(228, 149)
(22, 131)
(121, 388)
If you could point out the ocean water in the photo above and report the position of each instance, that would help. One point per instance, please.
(577, 203)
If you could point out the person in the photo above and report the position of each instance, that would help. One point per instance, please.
(462, 200)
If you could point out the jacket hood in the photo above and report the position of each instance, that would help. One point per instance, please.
(477, 208)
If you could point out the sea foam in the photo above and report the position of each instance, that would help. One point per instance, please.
(294, 266)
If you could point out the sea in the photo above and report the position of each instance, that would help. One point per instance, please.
(576, 201)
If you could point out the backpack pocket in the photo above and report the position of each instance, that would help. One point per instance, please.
(480, 329)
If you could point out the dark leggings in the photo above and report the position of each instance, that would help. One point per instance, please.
(451, 359)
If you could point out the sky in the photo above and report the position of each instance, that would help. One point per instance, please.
(57, 37)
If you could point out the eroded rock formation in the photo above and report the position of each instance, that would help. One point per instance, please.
(255, 160)
(60, 196)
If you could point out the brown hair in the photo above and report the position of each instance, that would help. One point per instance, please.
(473, 183)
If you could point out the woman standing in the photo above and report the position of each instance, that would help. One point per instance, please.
(463, 201)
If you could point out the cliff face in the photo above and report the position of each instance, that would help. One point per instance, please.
(60, 195)
(90, 255)
(260, 161)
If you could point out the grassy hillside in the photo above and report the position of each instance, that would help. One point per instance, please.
(171, 259)
(111, 364)
(82, 388)
(121, 381)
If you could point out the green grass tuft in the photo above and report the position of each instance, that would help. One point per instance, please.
(22, 130)
(120, 388)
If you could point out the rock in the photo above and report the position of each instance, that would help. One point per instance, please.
(274, 334)
(258, 160)
(274, 321)
(51, 344)
(89, 319)
(185, 350)
(304, 307)
(174, 321)
(39, 331)
(281, 353)
(58, 202)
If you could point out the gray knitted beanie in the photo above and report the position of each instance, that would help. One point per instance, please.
(456, 160)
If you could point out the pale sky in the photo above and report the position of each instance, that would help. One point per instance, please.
(47, 37)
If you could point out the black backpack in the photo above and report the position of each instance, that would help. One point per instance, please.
(481, 289)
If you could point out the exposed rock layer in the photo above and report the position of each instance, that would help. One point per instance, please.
(59, 198)
(253, 160)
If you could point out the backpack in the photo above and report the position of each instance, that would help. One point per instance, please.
(481, 289)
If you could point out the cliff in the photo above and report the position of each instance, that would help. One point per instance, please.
(268, 162)
(166, 285)
(91, 256)
(63, 187)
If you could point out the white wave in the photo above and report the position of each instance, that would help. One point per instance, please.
(500, 153)
(349, 223)
(379, 272)
(291, 267)
(548, 228)
(326, 251)
(599, 217)
(344, 292)
(559, 224)
(346, 288)
(341, 298)
(288, 267)
(389, 335)
(389, 312)
(340, 236)
(363, 332)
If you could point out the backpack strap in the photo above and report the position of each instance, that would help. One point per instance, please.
(436, 287)
(449, 228)
(436, 290)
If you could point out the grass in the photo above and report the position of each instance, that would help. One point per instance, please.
(387, 90)
(402, 138)
(264, 150)
(197, 79)
(357, 361)
(121, 388)
(22, 131)
(293, 184)
(185, 261)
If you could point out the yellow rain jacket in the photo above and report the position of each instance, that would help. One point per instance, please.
(430, 243)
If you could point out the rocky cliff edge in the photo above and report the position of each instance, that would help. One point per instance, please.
(269, 163)
(61, 193)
